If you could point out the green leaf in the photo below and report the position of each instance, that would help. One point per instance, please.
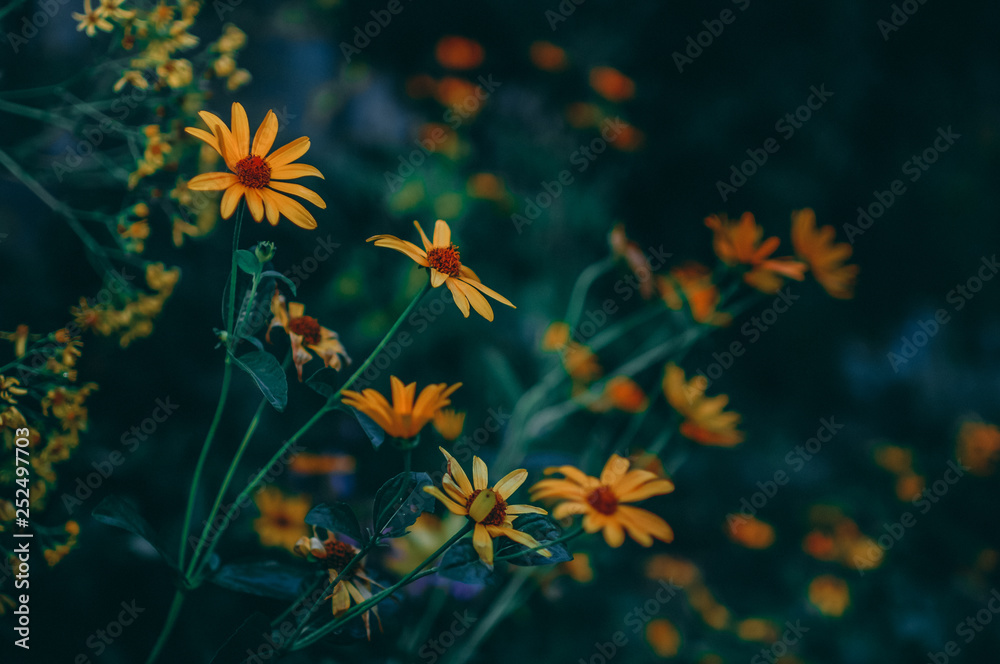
(264, 578)
(462, 563)
(120, 513)
(250, 636)
(268, 375)
(374, 432)
(324, 381)
(277, 275)
(399, 502)
(247, 261)
(338, 517)
(544, 529)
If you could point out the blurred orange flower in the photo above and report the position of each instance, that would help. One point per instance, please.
(612, 84)
(459, 52)
(978, 447)
(705, 418)
(739, 243)
(547, 56)
(825, 259)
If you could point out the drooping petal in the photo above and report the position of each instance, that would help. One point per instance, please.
(477, 301)
(296, 213)
(203, 135)
(525, 509)
(264, 138)
(437, 278)
(212, 181)
(648, 521)
(300, 191)
(450, 504)
(288, 153)
(452, 490)
(457, 473)
(483, 544)
(270, 206)
(392, 242)
(461, 301)
(614, 534)
(255, 203)
(489, 291)
(423, 236)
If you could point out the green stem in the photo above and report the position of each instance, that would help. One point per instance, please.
(375, 599)
(227, 375)
(168, 626)
(233, 270)
(578, 297)
(196, 566)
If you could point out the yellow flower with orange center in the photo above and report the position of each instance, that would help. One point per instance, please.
(441, 257)
(705, 418)
(334, 556)
(91, 20)
(257, 175)
(739, 243)
(405, 416)
(825, 258)
(305, 332)
(602, 500)
(487, 508)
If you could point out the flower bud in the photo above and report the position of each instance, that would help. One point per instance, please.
(264, 251)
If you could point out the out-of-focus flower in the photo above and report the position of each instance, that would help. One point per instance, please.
(678, 571)
(334, 556)
(305, 332)
(663, 637)
(757, 629)
(255, 174)
(161, 279)
(487, 508)
(691, 283)
(232, 39)
(92, 20)
(238, 79)
(621, 393)
(305, 463)
(113, 9)
(282, 518)
(602, 501)
(176, 73)
(459, 52)
(463, 97)
(895, 459)
(909, 486)
(749, 532)
(624, 248)
(449, 423)
(830, 595)
(578, 360)
(422, 539)
(487, 186)
(705, 419)
(581, 115)
(825, 258)
(132, 77)
(739, 243)
(612, 84)
(441, 257)
(978, 447)
(403, 418)
(156, 146)
(9, 389)
(836, 537)
(547, 56)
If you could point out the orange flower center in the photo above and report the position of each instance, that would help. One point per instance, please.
(253, 172)
(497, 515)
(603, 499)
(306, 327)
(445, 260)
(338, 554)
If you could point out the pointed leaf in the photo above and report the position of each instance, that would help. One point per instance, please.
(120, 513)
(399, 502)
(268, 374)
(277, 275)
(337, 517)
(264, 578)
(247, 261)
(462, 563)
(325, 381)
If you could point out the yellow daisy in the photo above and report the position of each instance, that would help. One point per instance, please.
(486, 507)
(706, 420)
(255, 174)
(404, 418)
(91, 20)
(441, 257)
(600, 500)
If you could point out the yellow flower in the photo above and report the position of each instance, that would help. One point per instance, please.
(488, 508)
(9, 389)
(705, 420)
(113, 9)
(825, 259)
(830, 595)
(282, 518)
(238, 79)
(623, 393)
(132, 77)
(424, 537)
(334, 556)
(91, 20)
(601, 501)
(254, 174)
(441, 257)
(305, 332)
(663, 637)
(404, 418)
(739, 243)
(305, 463)
(692, 284)
(449, 423)
(161, 16)
(232, 39)
(624, 248)
(162, 280)
(156, 147)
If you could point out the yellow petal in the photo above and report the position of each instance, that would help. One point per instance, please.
(255, 203)
(264, 138)
(288, 153)
(204, 136)
(483, 544)
(477, 301)
(241, 130)
(212, 181)
(461, 301)
(510, 482)
(423, 237)
(479, 473)
(231, 199)
(392, 242)
(451, 505)
(457, 473)
(299, 190)
(489, 291)
(437, 278)
(442, 233)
